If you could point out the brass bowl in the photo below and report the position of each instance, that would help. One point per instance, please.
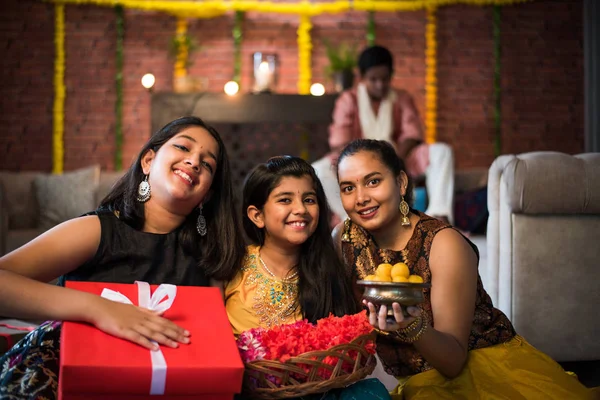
(386, 293)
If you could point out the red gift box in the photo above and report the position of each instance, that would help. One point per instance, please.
(95, 365)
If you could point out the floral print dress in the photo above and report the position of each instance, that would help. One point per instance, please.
(30, 369)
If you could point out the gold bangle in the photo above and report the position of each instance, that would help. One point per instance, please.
(403, 333)
(411, 339)
(382, 332)
(413, 326)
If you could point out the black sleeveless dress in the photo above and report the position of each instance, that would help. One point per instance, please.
(126, 255)
(30, 369)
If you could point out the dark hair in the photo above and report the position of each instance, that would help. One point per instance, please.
(324, 284)
(221, 251)
(375, 56)
(387, 155)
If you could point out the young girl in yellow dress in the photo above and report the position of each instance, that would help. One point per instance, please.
(455, 345)
(292, 270)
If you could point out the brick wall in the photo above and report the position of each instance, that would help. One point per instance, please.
(542, 81)
(465, 83)
(26, 95)
(90, 88)
(542, 74)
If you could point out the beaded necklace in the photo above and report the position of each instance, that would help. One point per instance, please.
(288, 278)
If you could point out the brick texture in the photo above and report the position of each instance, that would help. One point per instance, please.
(542, 80)
(26, 93)
(465, 80)
(90, 39)
(542, 74)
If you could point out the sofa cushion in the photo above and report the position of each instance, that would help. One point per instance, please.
(66, 196)
(107, 181)
(552, 182)
(16, 238)
(554, 277)
(19, 199)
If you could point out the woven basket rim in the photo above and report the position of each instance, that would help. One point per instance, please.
(364, 364)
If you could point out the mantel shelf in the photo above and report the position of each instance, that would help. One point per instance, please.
(239, 109)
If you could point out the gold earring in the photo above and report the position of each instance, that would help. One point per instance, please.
(404, 210)
(346, 235)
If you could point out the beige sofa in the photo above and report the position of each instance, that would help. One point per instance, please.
(32, 202)
(544, 249)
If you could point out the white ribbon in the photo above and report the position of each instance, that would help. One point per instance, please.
(155, 303)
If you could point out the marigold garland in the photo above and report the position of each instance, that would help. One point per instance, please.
(209, 9)
(304, 55)
(215, 8)
(431, 76)
(58, 123)
(415, 5)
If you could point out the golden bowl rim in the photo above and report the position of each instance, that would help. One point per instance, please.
(411, 285)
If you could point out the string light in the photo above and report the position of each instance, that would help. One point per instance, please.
(317, 89)
(231, 88)
(148, 81)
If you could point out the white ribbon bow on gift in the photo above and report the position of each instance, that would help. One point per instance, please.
(155, 303)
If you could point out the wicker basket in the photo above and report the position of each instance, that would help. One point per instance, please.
(299, 376)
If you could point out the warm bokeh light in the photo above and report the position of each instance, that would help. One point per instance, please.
(264, 66)
(317, 89)
(231, 88)
(148, 81)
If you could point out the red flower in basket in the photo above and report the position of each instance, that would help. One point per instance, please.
(283, 342)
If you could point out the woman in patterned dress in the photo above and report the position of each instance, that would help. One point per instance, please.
(455, 344)
(151, 227)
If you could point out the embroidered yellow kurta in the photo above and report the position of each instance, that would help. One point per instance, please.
(256, 299)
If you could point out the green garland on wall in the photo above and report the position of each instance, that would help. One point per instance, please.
(120, 24)
(497, 83)
(371, 29)
(237, 47)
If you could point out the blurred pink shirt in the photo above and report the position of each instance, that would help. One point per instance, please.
(407, 125)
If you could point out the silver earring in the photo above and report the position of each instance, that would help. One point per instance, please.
(144, 191)
(201, 222)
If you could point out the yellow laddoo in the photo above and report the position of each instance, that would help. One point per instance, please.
(400, 270)
(384, 271)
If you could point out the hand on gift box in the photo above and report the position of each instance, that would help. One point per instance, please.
(138, 325)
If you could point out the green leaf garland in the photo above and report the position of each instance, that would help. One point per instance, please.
(371, 29)
(237, 46)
